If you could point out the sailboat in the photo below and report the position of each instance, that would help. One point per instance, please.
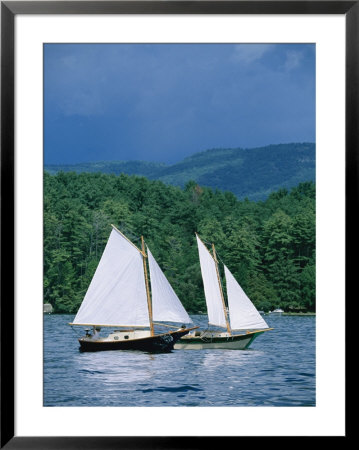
(240, 315)
(119, 296)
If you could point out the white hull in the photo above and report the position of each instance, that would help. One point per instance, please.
(216, 341)
(124, 335)
(239, 345)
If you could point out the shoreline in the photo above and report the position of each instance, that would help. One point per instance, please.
(203, 314)
(291, 314)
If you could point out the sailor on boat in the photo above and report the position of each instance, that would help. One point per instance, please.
(96, 333)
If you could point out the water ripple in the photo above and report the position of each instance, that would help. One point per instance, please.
(278, 370)
(172, 389)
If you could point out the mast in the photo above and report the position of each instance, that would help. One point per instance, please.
(147, 287)
(221, 290)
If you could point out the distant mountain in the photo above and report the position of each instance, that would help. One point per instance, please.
(247, 172)
(144, 168)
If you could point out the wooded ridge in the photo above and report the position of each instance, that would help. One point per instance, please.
(253, 173)
(269, 246)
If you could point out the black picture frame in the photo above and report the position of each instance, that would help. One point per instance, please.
(9, 9)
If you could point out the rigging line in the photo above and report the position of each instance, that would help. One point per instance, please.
(128, 233)
(205, 242)
(219, 258)
(76, 333)
(128, 240)
(210, 244)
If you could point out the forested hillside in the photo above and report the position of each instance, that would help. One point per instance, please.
(253, 173)
(269, 246)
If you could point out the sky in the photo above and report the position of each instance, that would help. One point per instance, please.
(164, 102)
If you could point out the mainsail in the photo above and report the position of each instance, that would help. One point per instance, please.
(166, 306)
(117, 293)
(243, 314)
(211, 287)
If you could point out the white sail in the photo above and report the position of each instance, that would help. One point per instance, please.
(211, 286)
(166, 306)
(117, 293)
(243, 314)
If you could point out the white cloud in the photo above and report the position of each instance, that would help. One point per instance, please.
(293, 59)
(248, 53)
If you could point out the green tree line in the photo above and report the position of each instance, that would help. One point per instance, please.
(269, 246)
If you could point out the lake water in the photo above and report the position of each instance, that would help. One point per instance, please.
(277, 370)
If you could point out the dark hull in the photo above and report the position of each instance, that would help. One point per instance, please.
(154, 344)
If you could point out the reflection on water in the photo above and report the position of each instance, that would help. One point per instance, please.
(217, 358)
(124, 367)
(278, 370)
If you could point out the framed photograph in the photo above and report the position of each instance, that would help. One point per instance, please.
(214, 146)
